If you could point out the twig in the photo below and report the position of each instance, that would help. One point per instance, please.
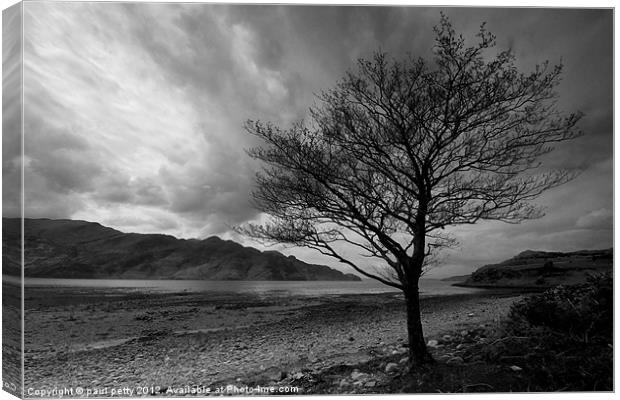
(510, 337)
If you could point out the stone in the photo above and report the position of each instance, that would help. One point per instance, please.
(460, 346)
(464, 333)
(370, 384)
(444, 357)
(403, 360)
(470, 314)
(455, 361)
(432, 343)
(356, 375)
(516, 368)
(446, 338)
(391, 367)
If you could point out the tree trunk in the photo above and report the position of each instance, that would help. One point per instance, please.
(418, 353)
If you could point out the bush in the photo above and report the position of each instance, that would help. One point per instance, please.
(580, 312)
(562, 338)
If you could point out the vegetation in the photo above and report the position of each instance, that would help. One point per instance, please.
(561, 339)
(400, 149)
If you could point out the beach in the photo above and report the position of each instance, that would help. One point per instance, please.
(101, 338)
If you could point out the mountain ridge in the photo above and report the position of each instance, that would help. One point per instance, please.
(67, 248)
(542, 269)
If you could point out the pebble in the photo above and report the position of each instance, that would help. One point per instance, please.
(356, 375)
(455, 361)
(403, 360)
(516, 369)
(432, 343)
(391, 367)
(370, 384)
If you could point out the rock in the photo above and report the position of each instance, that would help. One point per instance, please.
(444, 357)
(470, 314)
(403, 360)
(370, 384)
(460, 346)
(343, 382)
(455, 361)
(516, 369)
(432, 343)
(298, 375)
(446, 338)
(356, 375)
(464, 333)
(274, 374)
(391, 367)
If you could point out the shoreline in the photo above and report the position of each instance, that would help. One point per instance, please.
(190, 339)
(529, 289)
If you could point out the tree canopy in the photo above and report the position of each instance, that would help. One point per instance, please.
(400, 149)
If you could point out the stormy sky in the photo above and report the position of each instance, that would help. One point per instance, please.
(133, 113)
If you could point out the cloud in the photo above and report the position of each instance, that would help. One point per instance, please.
(597, 219)
(134, 111)
(11, 111)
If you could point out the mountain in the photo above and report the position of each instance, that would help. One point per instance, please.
(543, 269)
(80, 249)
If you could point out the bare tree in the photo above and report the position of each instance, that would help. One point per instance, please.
(398, 150)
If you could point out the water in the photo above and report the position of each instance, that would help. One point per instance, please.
(429, 287)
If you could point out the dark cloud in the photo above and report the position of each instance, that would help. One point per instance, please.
(135, 111)
(11, 111)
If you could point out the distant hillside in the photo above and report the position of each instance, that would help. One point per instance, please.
(79, 249)
(457, 278)
(542, 269)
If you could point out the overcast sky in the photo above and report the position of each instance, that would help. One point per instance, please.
(134, 112)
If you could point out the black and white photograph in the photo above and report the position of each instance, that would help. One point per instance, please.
(212, 199)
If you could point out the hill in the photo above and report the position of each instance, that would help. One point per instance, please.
(456, 278)
(87, 250)
(542, 269)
